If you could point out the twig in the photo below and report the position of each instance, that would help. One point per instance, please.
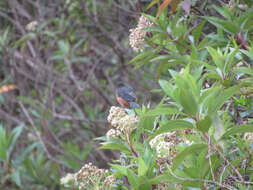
(198, 179)
(209, 158)
(225, 159)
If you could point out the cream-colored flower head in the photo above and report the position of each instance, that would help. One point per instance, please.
(32, 26)
(248, 136)
(128, 123)
(112, 133)
(137, 35)
(121, 122)
(165, 144)
(115, 113)
(110, 181)
(68, 178)
(89, 175)
(144, 22)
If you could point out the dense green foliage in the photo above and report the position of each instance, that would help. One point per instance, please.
(59, 65)
(205, 73)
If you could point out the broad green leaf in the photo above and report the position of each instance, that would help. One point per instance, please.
(229, 60)
(121, 169)
(228, 26)
(220, 100)
(224, 11)
(144, 61)
(180, 157)
(132, 178)
(188, 102)
(245, 70)
(246, 128)
(166, 86)
(216, 57)
(172, 125)
(142, 168)
(146, 122)
(16, 178)
(196, 32)
(141, 56)
(248, 53)
(162, 110)
(115, 144)
(204, 125)
(219, 129)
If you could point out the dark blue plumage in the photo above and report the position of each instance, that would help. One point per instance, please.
(126, 97)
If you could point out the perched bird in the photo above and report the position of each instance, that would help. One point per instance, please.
(126, 97)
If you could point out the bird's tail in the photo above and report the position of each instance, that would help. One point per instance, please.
(133, 105)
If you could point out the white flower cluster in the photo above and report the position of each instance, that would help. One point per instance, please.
(248, 136)
(164, 144)
(90, 175)
(68, 178)
(32, 26)
(138, 34)
(113, 133)
(120, 122)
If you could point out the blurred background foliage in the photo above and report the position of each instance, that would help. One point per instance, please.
(60, 62)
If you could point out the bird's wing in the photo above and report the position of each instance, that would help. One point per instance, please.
(127, 94)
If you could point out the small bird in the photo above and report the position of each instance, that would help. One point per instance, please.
(126, 97)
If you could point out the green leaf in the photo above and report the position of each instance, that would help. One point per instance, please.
(152, 3)
(3, 144)
(164, 178)
(229, 60)
(146, 122)
(245, 70)
(204, 125)
(196, 32)
(64, 46)
(144, 61)
(121, 169)
(220, 100)
(216, 57)
(219, 129)
(142, 168)
(224, 11)
(247, 128)
(16, 178)
(115, 144)
(132, 178)
(141, 56)
(21, 157)
(166, 86)
(162, 110)
(180, 157)
(228, 26)
(172, 125)
(188, 102)
(15, 133)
